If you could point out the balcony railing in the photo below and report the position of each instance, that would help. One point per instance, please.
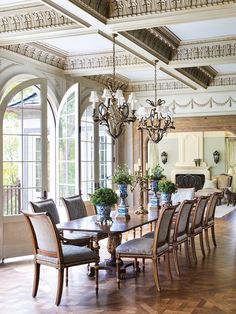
(12, 199)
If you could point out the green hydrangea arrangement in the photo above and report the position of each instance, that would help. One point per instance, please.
(166, 186)
(104, 196)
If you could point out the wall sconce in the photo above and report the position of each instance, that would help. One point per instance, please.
(216, 156)
(164, 157)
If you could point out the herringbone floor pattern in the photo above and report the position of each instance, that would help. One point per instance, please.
(208, 287)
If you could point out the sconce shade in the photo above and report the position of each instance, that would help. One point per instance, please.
(164, 157)
(216, 156)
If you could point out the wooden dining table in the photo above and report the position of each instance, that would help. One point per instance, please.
(113, 230)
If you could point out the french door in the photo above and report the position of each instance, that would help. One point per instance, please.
(23, 161)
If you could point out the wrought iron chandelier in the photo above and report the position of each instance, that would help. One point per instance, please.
(158, 120)
(114, 112)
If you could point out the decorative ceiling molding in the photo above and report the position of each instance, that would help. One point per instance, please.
(224, 80)
(120, 82)
(152, 41)
(165, 85)
(169, 85)
(98, 8)
(37, 54)
(101, 61)
(202, 75)
(205, 51)
(39, 19)
(125, 8)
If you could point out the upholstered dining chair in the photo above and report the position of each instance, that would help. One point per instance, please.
(72, 238)
(49, 251)
(179, 232)
(209, 219)
(76, 208)
(196, 224)
(151, 248)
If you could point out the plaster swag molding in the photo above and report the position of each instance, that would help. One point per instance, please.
(37, 19)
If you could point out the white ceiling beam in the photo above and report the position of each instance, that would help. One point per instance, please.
(174, 17)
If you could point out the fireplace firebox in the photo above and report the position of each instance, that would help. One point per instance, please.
(190, 181)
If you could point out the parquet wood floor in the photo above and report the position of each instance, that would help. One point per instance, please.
(208, 287)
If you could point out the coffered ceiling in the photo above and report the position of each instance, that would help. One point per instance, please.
(194, 41)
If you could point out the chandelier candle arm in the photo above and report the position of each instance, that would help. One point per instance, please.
(114, 112)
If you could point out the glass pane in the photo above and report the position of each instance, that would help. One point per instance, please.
(12, 122)
(71, 172)
(12, 199)
(29, 194)
(70, 149)
(32, 175)
(12, 173)
(11, 148)
(31, 148)
(31, 121)
(70, 126)
(63, 126)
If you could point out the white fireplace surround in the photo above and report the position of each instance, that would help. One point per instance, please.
(190, 170)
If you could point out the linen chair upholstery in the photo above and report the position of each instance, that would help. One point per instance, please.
(209, 219)
(72, 238)
(179, 232)
(75, 208)
(196, 224)
(49, 251)
(150, 248)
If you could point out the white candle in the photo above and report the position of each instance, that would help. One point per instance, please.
(139, 162)
(146, 166)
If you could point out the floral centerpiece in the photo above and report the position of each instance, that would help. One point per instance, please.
(104, 199)
(122, 177)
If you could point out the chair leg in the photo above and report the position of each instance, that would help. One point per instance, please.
(213, 235)
(67, 276)
(135, 264)
(36, 279)
(155, 274)
(175, 258)
(202, 244)
(207, 239)
(186, 247)
(193, 249)
(118, 271)
(168, 263)
(143, 264)
(96, 276)
(59, 285)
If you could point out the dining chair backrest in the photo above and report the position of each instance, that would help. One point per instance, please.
(46, 206)
(162, 229)
(75, 207)
(44, 234)
(211, 207)
(182, 221)
(198, 213)
(90, 208)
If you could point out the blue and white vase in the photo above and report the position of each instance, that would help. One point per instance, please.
(165, 198)
(104, 213)
(154, 200)
(123, 206)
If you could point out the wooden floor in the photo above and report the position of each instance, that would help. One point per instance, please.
(209, 287)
